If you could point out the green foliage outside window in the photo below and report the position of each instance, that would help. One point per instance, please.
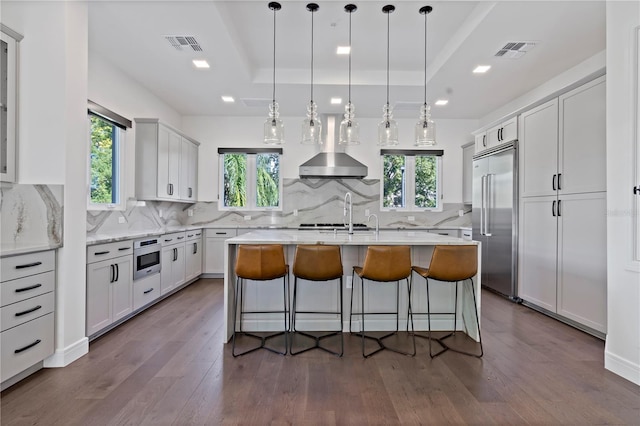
(394, 180)
(267, 180)
(235, 180)
(426, 190)
(266, 175)
(402, 178)
(103, 135)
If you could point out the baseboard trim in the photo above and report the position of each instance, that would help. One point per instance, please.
(65, 356)
(622, 367)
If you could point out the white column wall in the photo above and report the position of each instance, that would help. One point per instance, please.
(622, 351)
(227, 132)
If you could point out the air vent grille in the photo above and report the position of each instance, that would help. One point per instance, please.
(515, 49)
(184, 43)
(256, 102)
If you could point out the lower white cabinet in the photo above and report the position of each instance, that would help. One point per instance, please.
(145, 291)
(172, 259)
(27, 312)
(214, 250)
(109, 286)
(193, 254)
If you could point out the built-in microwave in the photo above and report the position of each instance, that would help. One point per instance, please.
(146, 255)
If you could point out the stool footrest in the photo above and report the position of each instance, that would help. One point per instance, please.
(263, 341)
(381, 344)
(446, 347)
(317, 342)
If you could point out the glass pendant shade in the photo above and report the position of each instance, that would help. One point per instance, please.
(387, 128)
(349, 128)
(425, 128)
(273, 127)
(312, 126)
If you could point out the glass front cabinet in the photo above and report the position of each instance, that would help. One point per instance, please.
(9, 41)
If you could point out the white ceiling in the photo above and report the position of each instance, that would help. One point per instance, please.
(237, 40)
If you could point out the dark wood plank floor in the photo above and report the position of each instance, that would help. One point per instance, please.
(169, 366)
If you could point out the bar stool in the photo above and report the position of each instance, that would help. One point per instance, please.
(450, 264)
(384, 264)
(316, 263)
(260, 263)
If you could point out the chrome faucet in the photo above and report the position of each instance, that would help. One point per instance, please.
(377, 224)
(344, 213)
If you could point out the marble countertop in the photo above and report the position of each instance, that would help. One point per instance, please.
(291, 236)
(12, 249)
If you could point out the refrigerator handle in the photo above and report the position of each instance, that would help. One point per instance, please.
(482, 179)
(487, 205)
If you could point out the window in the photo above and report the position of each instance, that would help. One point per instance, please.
(411, 180)
(250, 179)
(106, 138)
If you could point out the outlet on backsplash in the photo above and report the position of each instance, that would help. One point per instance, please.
(411, 218)
(121, 219)
(247, 217)
(190, 212)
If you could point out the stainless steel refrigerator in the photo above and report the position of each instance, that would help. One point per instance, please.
(495, 216)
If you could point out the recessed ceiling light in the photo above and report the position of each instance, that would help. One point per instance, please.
(200, 63)
(481, 69)
(336, 101)
(442, 102)
(228, 99)
(343, 50)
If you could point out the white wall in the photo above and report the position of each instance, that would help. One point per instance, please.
(215, 132)
(52, 145)
(622, 352)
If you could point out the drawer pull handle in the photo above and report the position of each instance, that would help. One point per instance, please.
(99, 253)
(28, 265)
(28, 311)
(148, 291)
(221, 233)
(124, 248)
(167, 240)
(180, 238)
(20, 290)
(17, 351)
(190, 235)
(198, 234)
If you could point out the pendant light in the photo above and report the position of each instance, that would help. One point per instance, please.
(312, 126)
(349, 127)
(273, 126)
(425, 127)
(388, 127)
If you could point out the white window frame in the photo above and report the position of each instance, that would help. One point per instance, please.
(252, 195)
(121, 124)
(410, 180)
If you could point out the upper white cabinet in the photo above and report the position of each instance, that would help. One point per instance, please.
(467, 172)
(9, 41)
(504, 132)
(166, 163)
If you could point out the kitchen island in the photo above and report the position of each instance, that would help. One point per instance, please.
(353, 250)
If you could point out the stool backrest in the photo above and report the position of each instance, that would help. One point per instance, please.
(453, 263)
(387, 263)
(317, 262)
(260, 262)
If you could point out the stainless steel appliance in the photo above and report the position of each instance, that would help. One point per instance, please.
(146, 255)
(495, 216)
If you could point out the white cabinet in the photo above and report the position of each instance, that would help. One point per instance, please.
(172, 274)
(562, 244)
(9, 41)
(109, 284)
(504, 132)
(214, 250)
(26, 316)
(193, 253)
(467, 172)
(166, 162)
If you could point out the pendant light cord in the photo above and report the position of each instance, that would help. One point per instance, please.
(274, 56)
(425, 59)
(312, 12)
(387, 58)
(350, 53)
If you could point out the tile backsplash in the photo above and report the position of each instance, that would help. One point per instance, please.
(304, 201)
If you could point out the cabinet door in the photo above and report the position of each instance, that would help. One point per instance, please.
(214, 249)
(99, 277)
(122, 290)
(539, 149)
(582, 139)
(537, 254)
(493, 136)
(193, 253)
(178, 270)
(169, 145)
(481, 142)
(189, 170)
(467, 173)
(582, 259)
(8, 142)
(166, 273)
(509, 130)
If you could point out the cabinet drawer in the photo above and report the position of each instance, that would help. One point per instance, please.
(27, 264)
(108, 251)
(25, 345)
(23, 288)
(194, 234)
(145, 291)
(27, 310)
(449, 232)
(173, 238)
(220, 233)
(466, 235)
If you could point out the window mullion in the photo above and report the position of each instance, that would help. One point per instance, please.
(411, 182)
(252, 195)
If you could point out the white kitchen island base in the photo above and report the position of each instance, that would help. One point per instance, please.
(353, 251)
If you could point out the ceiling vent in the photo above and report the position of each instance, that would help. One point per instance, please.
(256, 102)
(181, 43)
(515, 49)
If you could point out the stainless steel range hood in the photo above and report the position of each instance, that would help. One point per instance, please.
(332, 164)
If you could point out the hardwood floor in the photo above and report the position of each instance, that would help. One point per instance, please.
(169, 366)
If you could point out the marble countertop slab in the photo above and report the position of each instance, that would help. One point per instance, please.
(14, 248)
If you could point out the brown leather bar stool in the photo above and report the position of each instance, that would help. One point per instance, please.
(384, 264)
(316, 263)
(260, 263)
(450, 264)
